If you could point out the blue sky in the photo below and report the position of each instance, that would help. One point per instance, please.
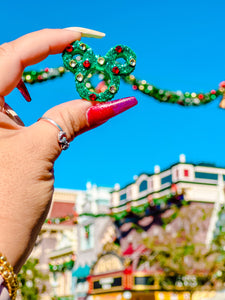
(180, 45)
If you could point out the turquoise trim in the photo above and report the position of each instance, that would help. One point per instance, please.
(81, 272)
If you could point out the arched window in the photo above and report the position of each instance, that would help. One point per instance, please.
(143, 186)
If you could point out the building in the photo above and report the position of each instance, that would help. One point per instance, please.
(57, 242)
(92, 240)
(94, 229)
(141, 210)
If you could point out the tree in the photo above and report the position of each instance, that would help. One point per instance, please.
(31, 280)
(179, 253)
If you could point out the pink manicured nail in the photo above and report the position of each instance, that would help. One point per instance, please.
(101, 112)
(23, 90)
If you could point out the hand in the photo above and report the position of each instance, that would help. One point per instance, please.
(27, 154)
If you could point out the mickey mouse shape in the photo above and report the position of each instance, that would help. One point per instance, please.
(80, 59)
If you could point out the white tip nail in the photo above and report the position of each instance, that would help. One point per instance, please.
(85, 32)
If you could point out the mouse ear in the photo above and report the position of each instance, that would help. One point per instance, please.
(74, 55)
(122, 59)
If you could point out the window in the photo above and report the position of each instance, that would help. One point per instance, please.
(167, 179)
(206, 175)
(143, 186)
(87, 237)
(123, 196)
(186, 173)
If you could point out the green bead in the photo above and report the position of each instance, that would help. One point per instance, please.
(91, 64)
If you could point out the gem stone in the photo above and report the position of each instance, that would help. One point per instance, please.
(112, 89)
(92, 97)
(86, 64)
(132, 62)
(119, 49)
(69, 48)
(72, 63)
(80, 77)
(101, 61)
(115, 70)
(83, 47)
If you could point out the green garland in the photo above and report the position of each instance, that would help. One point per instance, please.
(60, 220)
(185, 99)
(152, 204)
(68, 265)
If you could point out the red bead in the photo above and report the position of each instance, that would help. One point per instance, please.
(46, 70)
(39, 77)
(222, 84)
(200, 96)
(87, 64)
(134, 87)
(92, 97)
(69, 48)
(213, 92)
(115, 70)
(119, 49)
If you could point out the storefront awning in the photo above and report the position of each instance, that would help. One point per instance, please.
(81, 272)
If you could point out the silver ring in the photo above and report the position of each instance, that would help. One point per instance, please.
(62, 139)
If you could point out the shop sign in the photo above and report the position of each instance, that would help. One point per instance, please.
(107, 284)
(143, 282)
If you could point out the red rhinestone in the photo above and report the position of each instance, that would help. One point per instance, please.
(134, 87)
(46, 70)
(39, 77)
(115, 70)
(69, 48)
(119, 49)
(222, 84)
(87, 64)
(213, 92)
(92, 97)
(200, 96)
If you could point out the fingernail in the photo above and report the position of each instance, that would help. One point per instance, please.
(12, 115)
(23, 90)
(85, 32)
(100, 113)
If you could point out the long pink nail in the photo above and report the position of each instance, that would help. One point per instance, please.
(101, 112)
(23, 90)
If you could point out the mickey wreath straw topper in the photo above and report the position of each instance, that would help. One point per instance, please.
(80, 59)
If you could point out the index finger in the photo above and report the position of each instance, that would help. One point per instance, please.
(30, 49)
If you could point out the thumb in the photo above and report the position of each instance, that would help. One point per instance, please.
(74, 117)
